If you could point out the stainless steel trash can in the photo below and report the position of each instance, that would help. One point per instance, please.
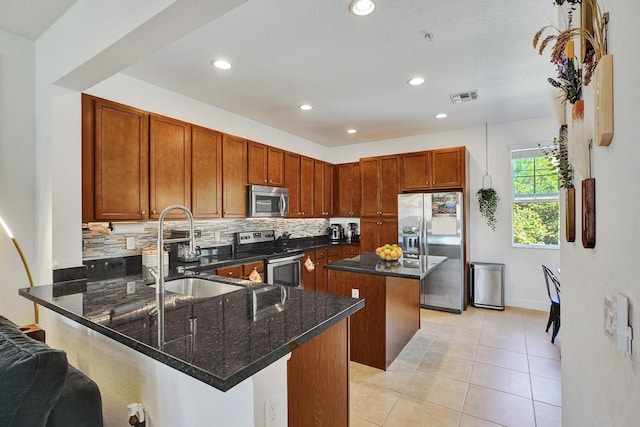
(487, 285)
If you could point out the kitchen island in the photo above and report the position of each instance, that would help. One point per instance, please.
(391, 291)
(225, 342)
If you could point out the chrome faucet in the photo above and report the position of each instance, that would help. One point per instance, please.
(158, 271)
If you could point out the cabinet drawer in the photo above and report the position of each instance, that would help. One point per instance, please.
(321, 254)
(248, 268)
(349, 251)
(235, 271)
(334, 251)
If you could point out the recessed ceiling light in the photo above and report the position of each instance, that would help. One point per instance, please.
(352, 131)
(362, 7)
(416, 81)
(221, 64)
(305, 107)
(440, 115)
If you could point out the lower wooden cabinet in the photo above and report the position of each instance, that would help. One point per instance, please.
(349, 251)
(318, 380)
(242, 271)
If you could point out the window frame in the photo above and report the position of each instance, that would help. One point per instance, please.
(545, 197)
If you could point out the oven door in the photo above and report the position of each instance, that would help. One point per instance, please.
(284, 271)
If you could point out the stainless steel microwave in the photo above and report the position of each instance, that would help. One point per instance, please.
(267, 202)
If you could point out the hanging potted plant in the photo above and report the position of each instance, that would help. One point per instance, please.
(488, 203)
(488, 197)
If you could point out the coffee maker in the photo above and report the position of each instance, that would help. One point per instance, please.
(351, 233)
(336, 232)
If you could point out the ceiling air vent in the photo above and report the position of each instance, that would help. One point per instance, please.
(461, 97)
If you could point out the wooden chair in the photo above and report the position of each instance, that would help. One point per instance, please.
(553, 290)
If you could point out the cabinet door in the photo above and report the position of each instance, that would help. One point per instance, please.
(344, 185)
(356, 191)
(306, 186)
(327, 200)
(448, 167)
(275, 166)
(206, 173)
(389, 231)
(292, 182)
(318, 188)
(115, 161)
(321, 275)
(234, 176)
(308, 278)
(370, 195)
(170, 165)
(416, 174)
(389, 185)
(370, 237)
(256, 163)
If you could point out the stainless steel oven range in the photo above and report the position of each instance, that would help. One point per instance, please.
(282, 265)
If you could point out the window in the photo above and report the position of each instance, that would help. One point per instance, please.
(536, 205)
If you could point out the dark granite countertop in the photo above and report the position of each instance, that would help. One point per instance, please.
(370, 263)
(233, 340)
(212, 258)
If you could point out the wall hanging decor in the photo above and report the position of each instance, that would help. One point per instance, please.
(597, 64)
(559, 156)
(589, 208)
(487, 196)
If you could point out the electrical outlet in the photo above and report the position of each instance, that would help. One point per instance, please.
(355, 293)
(272, 412)
(131, 243)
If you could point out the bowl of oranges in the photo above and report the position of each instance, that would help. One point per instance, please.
(389, 253)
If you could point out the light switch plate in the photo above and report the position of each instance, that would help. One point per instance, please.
(355, 293)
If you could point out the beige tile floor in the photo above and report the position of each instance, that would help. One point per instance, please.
(484, 368)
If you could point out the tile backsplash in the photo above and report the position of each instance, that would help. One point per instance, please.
(98, 241)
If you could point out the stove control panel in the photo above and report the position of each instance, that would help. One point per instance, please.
(246, 237)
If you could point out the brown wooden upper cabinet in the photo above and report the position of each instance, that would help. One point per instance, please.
(306, 187)
(234, 176)
(323, 189)
(206, 172)
(115, 161)
(348, 190)
(292, 182)
(444, 168)
(380, 177)
(265, 164)
(169, 165)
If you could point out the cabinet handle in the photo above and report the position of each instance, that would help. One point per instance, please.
(143, 212)
(230, 273)
(153, 211)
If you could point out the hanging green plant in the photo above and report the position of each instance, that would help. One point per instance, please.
(488, 197)
(488, 202)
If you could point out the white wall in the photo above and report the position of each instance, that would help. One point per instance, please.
(600, 386)
(17, 172)
(524, 281)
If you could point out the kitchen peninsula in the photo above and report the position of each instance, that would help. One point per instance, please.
(223, 341)
(391, 291)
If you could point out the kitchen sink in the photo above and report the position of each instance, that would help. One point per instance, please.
(198, 288)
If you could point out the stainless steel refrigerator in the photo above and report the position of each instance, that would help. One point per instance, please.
(432, 224)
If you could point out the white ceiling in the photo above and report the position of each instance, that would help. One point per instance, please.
(30, 18)
(353, 70)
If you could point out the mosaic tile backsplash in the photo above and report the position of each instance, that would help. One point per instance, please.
(98, 241)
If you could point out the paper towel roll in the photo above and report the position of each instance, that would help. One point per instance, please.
(126, 227)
